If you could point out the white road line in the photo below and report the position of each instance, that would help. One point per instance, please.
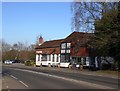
(100, 75)
(23, 83)
(68, 79)
(13, 77)
(89, 74)
(7, 87)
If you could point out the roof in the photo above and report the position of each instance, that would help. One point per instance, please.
(50, 44)
(80, 37)
(77, 35)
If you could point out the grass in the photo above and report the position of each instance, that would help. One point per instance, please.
(110, 72)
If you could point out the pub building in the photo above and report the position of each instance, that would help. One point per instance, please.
(72, 50)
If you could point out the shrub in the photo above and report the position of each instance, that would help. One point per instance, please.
(30, 63)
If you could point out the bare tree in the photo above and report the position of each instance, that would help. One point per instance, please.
(5, 46)
(86, 13)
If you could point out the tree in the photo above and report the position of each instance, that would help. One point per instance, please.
(5, 46)
(107, 34)
(17, 51)
(86, 13)
(104, 19)
(107, 31)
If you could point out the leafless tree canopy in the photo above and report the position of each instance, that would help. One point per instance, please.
(86, 13)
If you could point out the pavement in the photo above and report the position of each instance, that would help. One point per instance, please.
(78, 71)
(8, 82)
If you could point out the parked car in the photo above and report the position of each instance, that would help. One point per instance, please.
(75, 64)
(8, 62)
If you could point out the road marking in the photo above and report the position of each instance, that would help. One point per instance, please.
(13, 77)
(7, 87)
(87, 74)
(68, 79)
(23, 83)
(100, 75)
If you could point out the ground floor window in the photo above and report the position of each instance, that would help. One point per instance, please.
(49, 57)
(92, 60)
(80, 60)
(65, 57)
(62, 57)
(84, 61)
(44, 57)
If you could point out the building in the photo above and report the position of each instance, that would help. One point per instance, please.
(74, 50)
(48, 53)
(64, 52)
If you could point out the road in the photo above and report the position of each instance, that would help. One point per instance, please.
(16, 78)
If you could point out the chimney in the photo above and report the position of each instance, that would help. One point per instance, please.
(40, 40)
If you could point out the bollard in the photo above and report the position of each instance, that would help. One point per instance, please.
(58, 65)
(70, 66)
(49, 65)
(81, 67)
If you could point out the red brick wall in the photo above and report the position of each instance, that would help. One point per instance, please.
(81, 51)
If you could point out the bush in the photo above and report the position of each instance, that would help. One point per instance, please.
(30, 63)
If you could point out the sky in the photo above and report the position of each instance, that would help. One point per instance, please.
(25, 21)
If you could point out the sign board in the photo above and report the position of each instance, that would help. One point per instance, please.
(38, 51)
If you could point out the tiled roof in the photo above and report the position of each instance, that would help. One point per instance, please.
(77, 36)
(80, 37)
(50, 44)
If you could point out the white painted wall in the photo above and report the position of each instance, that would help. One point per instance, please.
(59, 58)
(38, 60)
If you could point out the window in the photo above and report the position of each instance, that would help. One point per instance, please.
(84, 61)
(79, 60)
(63, 45)
(62, 58)
(62, 51)
(67, 51)
(68, 45)
(44, 57)
(49, 57)
(67, 58)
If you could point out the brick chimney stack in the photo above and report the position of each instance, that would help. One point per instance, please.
(40, 40)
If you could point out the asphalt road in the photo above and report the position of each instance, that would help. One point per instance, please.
(48, 79)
